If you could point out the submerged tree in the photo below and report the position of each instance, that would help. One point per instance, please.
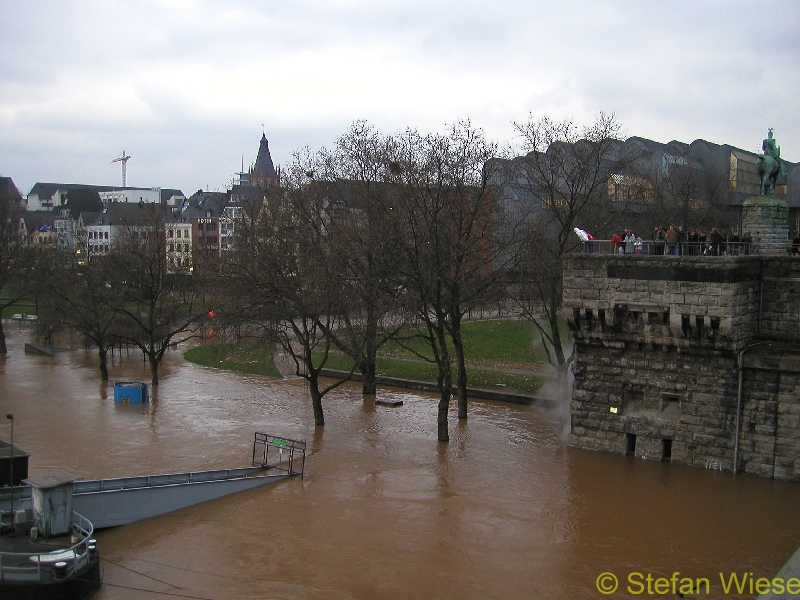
(82, 296)
(282, 274)
(155, 309)
(362, 233)
(453, 243)
(16, 258)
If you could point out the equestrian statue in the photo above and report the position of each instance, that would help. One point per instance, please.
(770, 165)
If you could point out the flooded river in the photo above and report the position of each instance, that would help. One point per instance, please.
(505, 510)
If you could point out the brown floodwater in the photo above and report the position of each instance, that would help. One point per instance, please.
(505, 510)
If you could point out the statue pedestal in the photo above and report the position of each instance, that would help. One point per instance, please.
(769, 216)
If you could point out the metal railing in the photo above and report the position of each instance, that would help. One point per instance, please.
(14, 567)
(262, 442)
(659, 248)
(145, 481)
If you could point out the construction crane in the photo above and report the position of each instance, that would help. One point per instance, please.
(124, 160)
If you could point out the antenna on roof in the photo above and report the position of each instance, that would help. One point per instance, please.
(124, 160)
(263, 129)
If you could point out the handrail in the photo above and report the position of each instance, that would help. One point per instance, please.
(697, 249)
(166, 479)
(80, 525)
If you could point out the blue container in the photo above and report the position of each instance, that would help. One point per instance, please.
(132, 392)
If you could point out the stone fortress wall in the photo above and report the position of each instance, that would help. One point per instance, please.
(658, 340)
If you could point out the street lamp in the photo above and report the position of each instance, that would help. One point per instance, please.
(10, 417)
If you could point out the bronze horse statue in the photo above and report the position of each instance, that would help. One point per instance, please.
(768, 169)
(769, 165)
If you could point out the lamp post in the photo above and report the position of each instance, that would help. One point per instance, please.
(10, 417)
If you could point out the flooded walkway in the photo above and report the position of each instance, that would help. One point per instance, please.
(505, 510)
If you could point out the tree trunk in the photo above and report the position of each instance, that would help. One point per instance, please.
(316, 400)
(444, 381)
(3, 348)
(153, 371)
(102, 351)
(367, 369)
(461, 368)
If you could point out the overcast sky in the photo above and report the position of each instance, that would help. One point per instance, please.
(184, 86)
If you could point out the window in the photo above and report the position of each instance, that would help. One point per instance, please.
(172, 247)
(200, 226)
(630, 443)
(171, 233)
(178, 234)
(666, 450)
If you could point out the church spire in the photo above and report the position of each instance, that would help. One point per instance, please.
(263, 173)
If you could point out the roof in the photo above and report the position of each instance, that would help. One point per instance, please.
(7, 188)
(5, 450)
(264, 166)
(52, 480)
(131, 213)
(81, 200)
(34, 219)
(46, 190)
(167, 193)
(204, 204)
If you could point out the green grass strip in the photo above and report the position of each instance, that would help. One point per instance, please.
(243, 358)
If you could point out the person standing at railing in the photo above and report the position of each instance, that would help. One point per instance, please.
(735, 245)
(638, 245)
(672, 240)
(716, 241)
(694, 241)
(659, 237)
(757, 243)
(681, 250)
(616, 243)
(630, 240)
(746, 241)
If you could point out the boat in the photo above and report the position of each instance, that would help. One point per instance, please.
(47, 548)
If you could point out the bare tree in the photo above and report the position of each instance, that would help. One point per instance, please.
(16, 258)
(560, 183)
(82, 296)
(688, 194)
(282, 275)
(451, 239)
(355, 179)
(155, 309)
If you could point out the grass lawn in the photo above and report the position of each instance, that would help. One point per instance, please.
(493, 348)
(22, 307)
(499, 342)
(245, 358)
(423, 371)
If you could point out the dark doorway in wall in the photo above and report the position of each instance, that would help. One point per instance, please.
(666, 450)
(630, 443)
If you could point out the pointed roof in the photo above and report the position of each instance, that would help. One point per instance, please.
(264, 166)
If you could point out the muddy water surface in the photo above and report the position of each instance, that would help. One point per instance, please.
(505, 510)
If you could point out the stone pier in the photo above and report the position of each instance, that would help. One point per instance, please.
(657, 346)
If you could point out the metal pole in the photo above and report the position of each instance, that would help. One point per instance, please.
(11, 469)
(738, 412)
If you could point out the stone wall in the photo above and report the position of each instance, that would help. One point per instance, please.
(657, 344)
(768, 218)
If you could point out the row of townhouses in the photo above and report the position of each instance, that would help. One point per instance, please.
(89, 220)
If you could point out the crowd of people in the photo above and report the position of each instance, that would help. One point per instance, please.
(676, 241)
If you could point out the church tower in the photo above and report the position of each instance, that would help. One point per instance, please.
(263, 174)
